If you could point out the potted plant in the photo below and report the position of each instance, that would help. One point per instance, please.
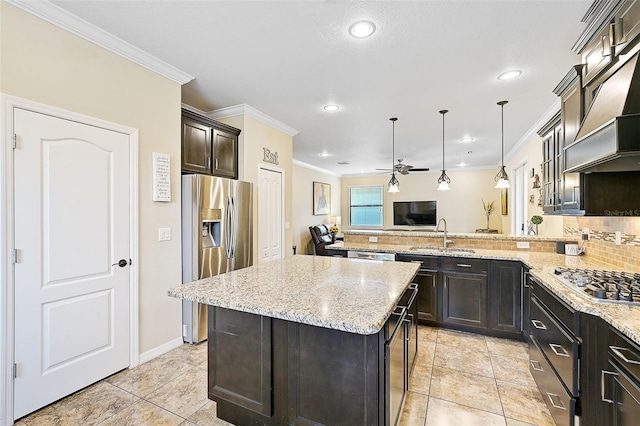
(489, 208)
(536, 220)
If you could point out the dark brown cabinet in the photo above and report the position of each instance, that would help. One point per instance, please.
(505, 296)
(593, 360)
(552, 165)
(427, 280)
(470, 294)
(464, 292)
(208, 146)
(626, 27)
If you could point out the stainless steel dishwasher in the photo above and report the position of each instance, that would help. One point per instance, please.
(370, 255)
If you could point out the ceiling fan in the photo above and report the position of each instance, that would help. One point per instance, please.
(404, 169)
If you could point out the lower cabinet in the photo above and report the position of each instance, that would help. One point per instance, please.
(266, 371)
(505, 296)
(470, 294)
(593, 360)
(427, 281)
(464, 299)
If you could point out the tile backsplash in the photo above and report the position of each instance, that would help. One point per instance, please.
(601, 245)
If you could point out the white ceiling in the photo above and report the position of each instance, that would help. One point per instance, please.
(290, 58)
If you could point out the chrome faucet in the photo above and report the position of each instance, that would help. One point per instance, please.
(445, 241)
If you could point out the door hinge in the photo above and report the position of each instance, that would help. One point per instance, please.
(15, 370)
(14, 141)
(14, 256)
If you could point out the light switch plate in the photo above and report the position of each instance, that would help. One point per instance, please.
(618, 238)
(523, 244)
(164, 234)
(373, 239)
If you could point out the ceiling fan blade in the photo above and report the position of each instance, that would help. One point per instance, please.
(403, 171)
(422, 169)
(388, 170)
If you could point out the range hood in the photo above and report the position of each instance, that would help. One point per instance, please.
(609, 138)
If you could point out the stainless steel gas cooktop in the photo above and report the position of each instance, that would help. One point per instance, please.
(602, 286)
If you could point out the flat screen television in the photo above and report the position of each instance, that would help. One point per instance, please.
(414, 213)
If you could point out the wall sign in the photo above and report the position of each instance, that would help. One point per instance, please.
(270, 157)
(161, 177)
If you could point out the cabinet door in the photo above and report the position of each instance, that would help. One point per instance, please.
(225, 154)
(548, 176)
(464, 300)
(196, 147)
(427, 296)
(594, 332)
(505, 297)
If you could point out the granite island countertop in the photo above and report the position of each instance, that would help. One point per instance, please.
(351, 295)
(461, 235)
(626, 318)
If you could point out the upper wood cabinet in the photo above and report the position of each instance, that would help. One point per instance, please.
(571, 115)
(552, 165)
(208, 146)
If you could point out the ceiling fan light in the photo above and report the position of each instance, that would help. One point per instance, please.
(394, 185)
(443, 186)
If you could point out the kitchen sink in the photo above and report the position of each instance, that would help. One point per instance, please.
(440, 249)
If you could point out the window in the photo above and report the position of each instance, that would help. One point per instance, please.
(365, 206)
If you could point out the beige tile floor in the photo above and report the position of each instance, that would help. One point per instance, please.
(459, 379)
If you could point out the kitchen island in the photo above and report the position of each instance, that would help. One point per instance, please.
(304, 340)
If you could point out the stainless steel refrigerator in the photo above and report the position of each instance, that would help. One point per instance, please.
(216, 238)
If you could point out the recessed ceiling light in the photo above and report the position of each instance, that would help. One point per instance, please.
(325, 154)
(462, 164)
(331, 108)
(510, 75)
(467, 140)
(362, 29)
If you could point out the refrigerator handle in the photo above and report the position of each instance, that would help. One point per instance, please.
(228, 235)
(234, 235)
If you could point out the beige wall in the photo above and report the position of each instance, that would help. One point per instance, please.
(461, 206)
(303, 217)
(531, 154)
(255, 136)
(43, 63)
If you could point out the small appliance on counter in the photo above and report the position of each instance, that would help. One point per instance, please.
(573, 250)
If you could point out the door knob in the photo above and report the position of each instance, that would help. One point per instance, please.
(121, 263)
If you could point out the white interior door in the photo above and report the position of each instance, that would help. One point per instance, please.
(519, 224)
(71, 226)
(270, 215)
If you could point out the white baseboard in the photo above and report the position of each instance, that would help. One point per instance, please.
(160, 350)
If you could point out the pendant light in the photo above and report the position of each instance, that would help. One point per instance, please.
(502, 179)
(394, 185)
(443, 180)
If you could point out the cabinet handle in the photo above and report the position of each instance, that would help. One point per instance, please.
(216, 161)
(619, 352)
(536, 365)
(209, 163)
(463, 265)
(538, 324)
(558, 350)
(559, 405)
(602, 391)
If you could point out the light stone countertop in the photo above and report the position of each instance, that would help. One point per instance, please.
(350, 295)
(461, 235)
(626, 318)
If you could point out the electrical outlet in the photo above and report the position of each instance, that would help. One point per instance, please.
(373, 239)
(523, 244)
(618, 238)
(585, 234)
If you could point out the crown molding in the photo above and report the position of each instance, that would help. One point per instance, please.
(244, 109)
(316, 168)
(61, 18)
(533, 131)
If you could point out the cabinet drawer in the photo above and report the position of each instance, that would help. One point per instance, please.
(560, 348)
(625, 352)
(463, 264)
(566, 315)
(560, 403)
(426, 262)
